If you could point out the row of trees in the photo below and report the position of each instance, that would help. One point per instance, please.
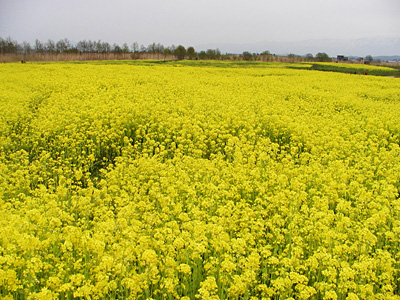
(320, 57)
(64, 46)
(86, 46)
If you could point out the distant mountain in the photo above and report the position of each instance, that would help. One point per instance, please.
(333, 47)
(387, 58)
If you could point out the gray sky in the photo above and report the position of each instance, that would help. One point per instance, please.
(194, 23)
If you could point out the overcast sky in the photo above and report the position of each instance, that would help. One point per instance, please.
(201, 22)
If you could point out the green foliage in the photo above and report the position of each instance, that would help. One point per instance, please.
(349, 68)
(356, 69)
(191, 53)
(322, 57)
(247, 56)
(180, 52)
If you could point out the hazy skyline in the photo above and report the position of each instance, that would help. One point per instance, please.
(197, 23)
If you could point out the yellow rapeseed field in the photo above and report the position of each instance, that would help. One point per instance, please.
(198, 181)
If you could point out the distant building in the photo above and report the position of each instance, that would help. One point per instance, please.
(342, 58)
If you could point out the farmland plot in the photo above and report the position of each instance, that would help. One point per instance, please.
(190, 181)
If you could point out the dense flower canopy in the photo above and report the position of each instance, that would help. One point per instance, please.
(198, 181)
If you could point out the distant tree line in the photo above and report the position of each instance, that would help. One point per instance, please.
(136, 51)
(9, 46)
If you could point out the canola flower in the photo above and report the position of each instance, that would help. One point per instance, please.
(186, 182)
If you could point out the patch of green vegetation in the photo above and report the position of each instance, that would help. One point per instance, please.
(106, 62)
(190, 63)
(223, 64)
(350, 69)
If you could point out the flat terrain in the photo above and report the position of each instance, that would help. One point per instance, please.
(198, 180)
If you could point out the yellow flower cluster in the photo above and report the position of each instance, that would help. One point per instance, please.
(198, 182)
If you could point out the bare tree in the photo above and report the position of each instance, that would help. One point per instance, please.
(38, 46)
(116, 49)
(50, 46)
(135, 47)
(125, 48)
(26, 47)
(63, 45)
(369, 59)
